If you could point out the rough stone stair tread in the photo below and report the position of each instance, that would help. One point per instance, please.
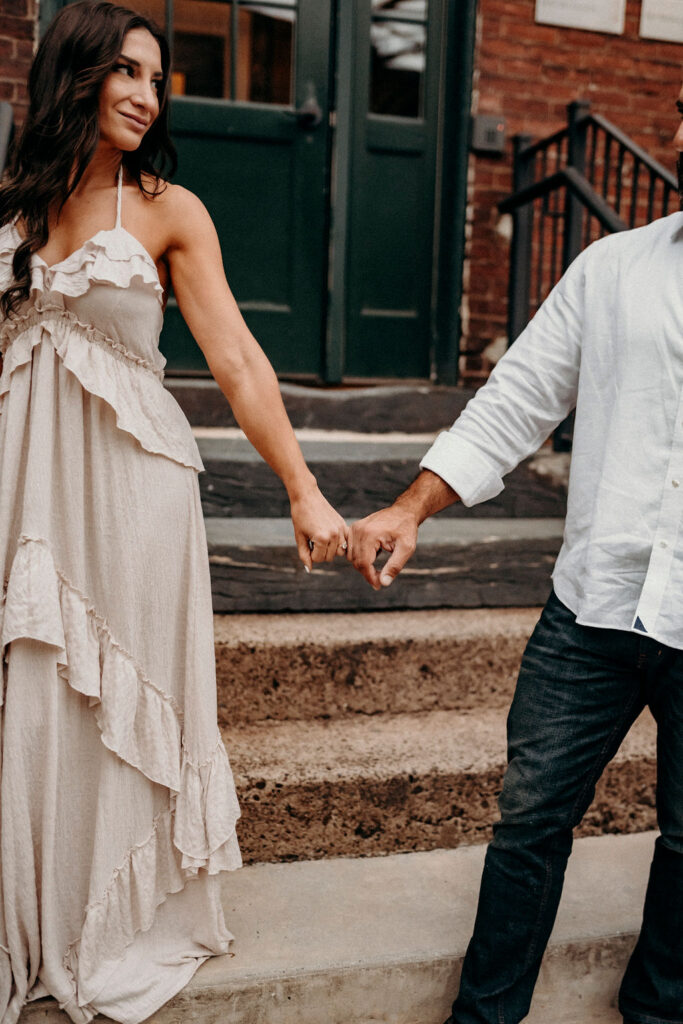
(319, 664)
(356, 941)
(380, 747)
(343, 629)
(370, 449)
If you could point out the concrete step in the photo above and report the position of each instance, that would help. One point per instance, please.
(468, 563)
(381, 784)
(338, 664)
(364, 941)
(380, 408)
(359, 473)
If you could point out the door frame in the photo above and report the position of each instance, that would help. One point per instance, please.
(459, 40)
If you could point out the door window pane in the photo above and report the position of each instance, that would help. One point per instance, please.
(256, 66)
(266, 54)
(398, 45)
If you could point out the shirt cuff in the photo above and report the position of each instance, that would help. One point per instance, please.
(464, 468)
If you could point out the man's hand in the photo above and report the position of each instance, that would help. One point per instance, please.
(394, 529)
(391, 529)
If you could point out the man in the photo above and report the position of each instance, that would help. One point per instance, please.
(608, 341)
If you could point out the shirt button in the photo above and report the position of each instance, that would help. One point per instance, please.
(663, 544)
(675, 483)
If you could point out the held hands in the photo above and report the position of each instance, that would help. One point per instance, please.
(321, 535)
(320, 532)
(392, 529)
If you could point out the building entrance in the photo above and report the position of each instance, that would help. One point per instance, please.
(313, 130)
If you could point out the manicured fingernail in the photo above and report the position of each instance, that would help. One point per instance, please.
(306, 569)
(386, 580)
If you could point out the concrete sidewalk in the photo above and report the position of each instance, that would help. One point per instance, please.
(355, 941)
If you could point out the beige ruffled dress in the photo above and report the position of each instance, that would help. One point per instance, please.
(117, 803)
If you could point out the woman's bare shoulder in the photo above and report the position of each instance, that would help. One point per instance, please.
(180, 212)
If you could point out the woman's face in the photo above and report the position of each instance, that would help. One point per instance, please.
(129, 100)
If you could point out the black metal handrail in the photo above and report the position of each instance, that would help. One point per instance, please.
(581, 182)
(569, 178)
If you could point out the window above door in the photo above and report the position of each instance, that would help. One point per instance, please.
(398, 48)
(235, 50)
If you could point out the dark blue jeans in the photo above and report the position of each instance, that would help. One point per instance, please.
(579, 691)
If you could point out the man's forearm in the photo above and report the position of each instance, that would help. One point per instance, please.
(427, 495)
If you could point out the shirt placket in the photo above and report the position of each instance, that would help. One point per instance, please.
(665, 539)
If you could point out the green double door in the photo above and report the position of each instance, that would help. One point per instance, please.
(313, 130)
(257, 153)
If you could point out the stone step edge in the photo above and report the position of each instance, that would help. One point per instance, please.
(377, 408)
(343, 630)
(459, 563)
(342, 447)
(359, 477)
(381, 748)
(304, 665)
(349, 941)
(376, 785)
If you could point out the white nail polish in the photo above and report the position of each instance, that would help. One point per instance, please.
(306, 569)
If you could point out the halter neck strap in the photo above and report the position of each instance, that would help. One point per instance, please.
(119, 190)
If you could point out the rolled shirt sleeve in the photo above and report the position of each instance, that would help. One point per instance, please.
(531, 390)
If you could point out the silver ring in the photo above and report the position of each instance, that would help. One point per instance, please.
(345, 546)
(311, 544)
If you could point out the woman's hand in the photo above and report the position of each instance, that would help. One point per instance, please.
(242, 371)
(319, 531)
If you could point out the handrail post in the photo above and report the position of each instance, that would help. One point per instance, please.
(577, 121)
(520, 250)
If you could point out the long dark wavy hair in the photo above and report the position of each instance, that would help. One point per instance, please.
(61, 131)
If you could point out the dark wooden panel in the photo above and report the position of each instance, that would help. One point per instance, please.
(503, 573)
(240, 484)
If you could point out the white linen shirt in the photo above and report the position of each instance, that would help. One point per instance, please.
(608, 340)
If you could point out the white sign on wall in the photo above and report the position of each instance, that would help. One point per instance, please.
(594, 15)
(662, 19)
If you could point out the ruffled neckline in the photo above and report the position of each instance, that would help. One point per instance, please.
(95, 239)
(70, 275)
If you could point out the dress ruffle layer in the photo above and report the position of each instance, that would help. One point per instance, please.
(137, 720)
(151, 872)
(104, 368)
(110, 257)
(142, 725)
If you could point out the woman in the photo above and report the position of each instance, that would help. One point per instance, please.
(117, 806)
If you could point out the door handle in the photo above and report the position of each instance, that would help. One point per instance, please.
(309, 114)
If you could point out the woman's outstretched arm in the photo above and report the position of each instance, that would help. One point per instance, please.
(242, 370)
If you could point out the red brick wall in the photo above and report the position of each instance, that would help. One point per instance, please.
(529, 73)
(17, 34)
